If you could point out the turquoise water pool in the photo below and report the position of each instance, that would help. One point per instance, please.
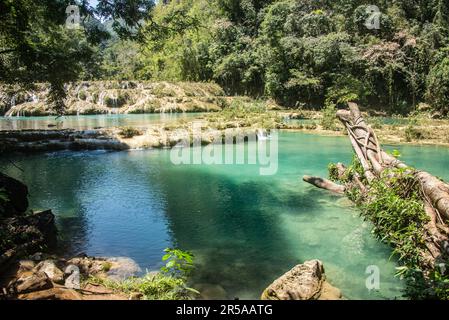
(83, 122)
(244, 229)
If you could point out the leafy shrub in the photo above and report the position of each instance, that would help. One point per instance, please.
(178, 263)
(169, 284)
(129, 132)
(397, 212)
(438, 86)
(106, 266)
(329, 119)
(412, 133)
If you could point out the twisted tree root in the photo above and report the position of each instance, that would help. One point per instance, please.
(374, 161)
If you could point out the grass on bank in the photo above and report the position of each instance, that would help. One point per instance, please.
(241, 114)
(170, 283)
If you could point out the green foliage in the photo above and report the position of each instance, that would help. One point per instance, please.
(328, 122)
(395, 208)
(121, 60)
(333, 172)
(245, 114)
(129, 132)
(397, 212)
(36, 46)
(176, 42)
(438, 85)
(395, 153)
(178, 263)
(355, 168)
(152, 286)
(411, 131)
(312, 52)
(169, 284)
(106, 266)
(304, 51)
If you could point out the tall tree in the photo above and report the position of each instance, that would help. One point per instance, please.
(37, 46)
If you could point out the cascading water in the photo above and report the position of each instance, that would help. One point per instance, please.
(13, 101)
(262, 135)
(101, 98)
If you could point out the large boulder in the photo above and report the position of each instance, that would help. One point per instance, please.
(35, 281)
(45, 223)
(305, 281)
(51, 270)
(25, 234)
(15, 196)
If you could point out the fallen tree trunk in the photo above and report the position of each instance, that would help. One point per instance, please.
(434, 192)
(325, 184)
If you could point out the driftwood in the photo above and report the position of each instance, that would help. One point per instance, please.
(434, 192)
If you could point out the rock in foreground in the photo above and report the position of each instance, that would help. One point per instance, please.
(41, 277)
(305, 281)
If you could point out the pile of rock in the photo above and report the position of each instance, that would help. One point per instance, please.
(305, 281)
(22, 232)
(44, 277)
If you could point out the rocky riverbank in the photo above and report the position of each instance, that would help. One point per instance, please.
(206, 129)
(111, 139)
(419, 130)
(28, 270)
(49, 277)
(21, 231)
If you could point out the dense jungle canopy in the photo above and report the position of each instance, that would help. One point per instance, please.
(301, 53)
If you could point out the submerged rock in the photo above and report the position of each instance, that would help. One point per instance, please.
(210, 291)
(122, 268)
(305, 281)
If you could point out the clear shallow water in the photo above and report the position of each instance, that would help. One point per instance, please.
(381, 120)
(244, 229)
(84, 122)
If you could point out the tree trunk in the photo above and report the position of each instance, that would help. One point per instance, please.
(435, 193)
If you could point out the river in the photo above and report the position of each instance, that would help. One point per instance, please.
(244, 229)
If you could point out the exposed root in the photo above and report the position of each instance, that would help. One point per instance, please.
(374, 161)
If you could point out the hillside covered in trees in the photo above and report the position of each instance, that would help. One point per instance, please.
(302, 53)
(143, 75)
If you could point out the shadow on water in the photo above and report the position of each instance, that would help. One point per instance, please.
(233, 234)
(244, 229)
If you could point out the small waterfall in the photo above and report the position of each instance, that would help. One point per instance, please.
(262, 135)
(101, 98)
(13, 101)
(78, 90)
